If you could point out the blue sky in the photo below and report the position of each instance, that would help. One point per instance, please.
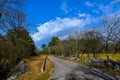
(61, 17)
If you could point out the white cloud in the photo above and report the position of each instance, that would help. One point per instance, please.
(64, 37)
(83, 15)
(89, 4)
(105, 8)
(53, 27)
(64, 7)
(109, 8)
(73, 35)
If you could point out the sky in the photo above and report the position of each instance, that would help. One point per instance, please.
(61, 17)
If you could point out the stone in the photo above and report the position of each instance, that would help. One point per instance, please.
(21, 68)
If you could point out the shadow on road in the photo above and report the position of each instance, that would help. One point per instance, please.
(95, 73)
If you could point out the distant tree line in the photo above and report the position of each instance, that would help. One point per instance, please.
(103, 38)
(15, 42)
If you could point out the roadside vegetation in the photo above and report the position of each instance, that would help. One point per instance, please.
(15, 41)
(34, 69)
(17, 45)
(102, 56)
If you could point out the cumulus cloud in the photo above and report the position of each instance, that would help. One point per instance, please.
(73, 35)
(53, 27)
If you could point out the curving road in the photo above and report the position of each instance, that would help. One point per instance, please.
(67, 70)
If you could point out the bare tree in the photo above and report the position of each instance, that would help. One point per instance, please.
(92, 42)
(11, 17)
(111, 33)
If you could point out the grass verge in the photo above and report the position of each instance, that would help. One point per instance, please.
(34, 66)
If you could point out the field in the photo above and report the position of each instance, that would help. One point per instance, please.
(102, 56)
(34, 66)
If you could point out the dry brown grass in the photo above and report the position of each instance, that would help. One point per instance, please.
(34, 66)
(102, 56)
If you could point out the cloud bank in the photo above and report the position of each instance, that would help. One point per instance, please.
(77, 21)
(53, 27)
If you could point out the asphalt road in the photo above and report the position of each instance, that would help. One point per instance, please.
(67, 70)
